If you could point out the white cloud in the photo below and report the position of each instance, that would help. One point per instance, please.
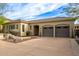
(31, 10)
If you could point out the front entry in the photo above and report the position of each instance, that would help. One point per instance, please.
(36, 30)
(48, 31)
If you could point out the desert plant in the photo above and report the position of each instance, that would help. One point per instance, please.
(14, 32)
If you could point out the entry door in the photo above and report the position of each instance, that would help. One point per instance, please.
(48, 31)
(62, 31)
(36, 30)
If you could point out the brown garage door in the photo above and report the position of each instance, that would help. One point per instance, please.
(62, 31)
(48, 31)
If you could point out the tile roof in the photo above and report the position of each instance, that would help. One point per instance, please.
(42, 20)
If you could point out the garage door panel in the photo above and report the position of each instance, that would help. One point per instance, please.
(62, 31)
(48, 31)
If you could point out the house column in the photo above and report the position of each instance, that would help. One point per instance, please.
(54, 31)
(70, 29)
(32, 30)
(74, 29)
(20, 29)
(40, 30)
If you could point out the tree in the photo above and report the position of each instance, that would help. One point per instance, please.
(2, 20)
(72, 9)
(2, 8)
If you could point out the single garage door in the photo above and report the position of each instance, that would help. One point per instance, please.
(62, 31)
(48, 31)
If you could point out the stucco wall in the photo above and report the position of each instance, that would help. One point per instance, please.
(70, 23)
(76, 27)
(19, 28)
(25, 29)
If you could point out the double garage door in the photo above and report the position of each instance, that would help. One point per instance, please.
(60, 31)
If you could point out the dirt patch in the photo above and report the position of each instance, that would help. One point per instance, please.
(18, 40)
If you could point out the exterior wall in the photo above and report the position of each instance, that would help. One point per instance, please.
(70, 23)
(7, 29)
(76, 27)
(30, 27)
(25, 29)
(21, 33)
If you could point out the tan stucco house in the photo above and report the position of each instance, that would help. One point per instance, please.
(16, 25)
(51, 27)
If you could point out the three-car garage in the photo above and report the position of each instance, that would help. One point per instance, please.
(53, 27)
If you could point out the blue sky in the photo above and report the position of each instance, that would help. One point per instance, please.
(34, 11)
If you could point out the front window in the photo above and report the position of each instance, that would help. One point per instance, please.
(23, 28)
(11, 26)
(17, 26)
(30, 27)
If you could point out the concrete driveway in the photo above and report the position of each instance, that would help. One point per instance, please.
(41, 46)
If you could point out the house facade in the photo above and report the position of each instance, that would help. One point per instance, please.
(56, 27)
(52, 27)
(16, 26)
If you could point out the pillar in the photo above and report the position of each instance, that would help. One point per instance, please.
(54, 31)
